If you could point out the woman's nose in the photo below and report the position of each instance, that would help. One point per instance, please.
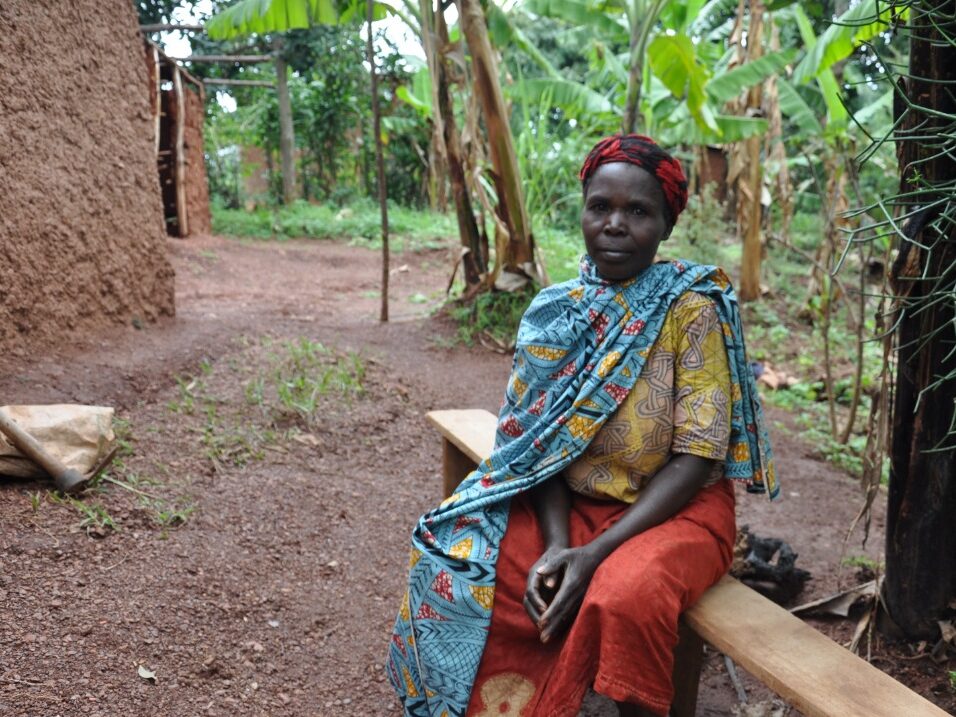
(615, 221)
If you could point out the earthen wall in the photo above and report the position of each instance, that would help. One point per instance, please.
(82, 240)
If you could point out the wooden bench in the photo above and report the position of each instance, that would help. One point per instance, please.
(803, 666)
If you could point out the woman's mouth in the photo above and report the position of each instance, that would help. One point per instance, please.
(614, 255)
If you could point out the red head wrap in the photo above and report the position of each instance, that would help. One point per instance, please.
(646, 154)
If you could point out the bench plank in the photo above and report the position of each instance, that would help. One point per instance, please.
(471, 430)
(806, 668)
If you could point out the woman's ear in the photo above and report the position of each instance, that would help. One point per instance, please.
(667, 233)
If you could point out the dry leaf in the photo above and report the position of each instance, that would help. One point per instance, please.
(948, 631)
(146, 674)
(840, 603)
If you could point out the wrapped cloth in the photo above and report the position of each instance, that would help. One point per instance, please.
(81, 437)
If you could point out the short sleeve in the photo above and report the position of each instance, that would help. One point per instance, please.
(702, 384)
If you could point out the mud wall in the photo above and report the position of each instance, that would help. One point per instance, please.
(197, 188)
(82, 241)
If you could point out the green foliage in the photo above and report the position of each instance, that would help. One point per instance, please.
(261, 17)
(493, 315)
(861, 561)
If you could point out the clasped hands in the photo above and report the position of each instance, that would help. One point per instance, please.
(556, 586)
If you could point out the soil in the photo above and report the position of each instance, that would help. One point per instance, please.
(258, 568)
(81, 220)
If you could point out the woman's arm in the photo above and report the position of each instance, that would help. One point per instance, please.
(571, 569)
(552, 504)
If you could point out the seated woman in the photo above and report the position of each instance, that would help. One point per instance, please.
(604, 511)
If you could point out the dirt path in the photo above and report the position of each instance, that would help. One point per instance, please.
(277, 593)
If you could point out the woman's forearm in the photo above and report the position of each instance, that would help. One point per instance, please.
(667, 492)
(552, 504)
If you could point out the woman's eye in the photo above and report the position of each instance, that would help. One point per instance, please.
(637, 210)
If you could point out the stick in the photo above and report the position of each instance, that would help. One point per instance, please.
(225, 58)
(170, 27)
(732, 671)
(247, 83)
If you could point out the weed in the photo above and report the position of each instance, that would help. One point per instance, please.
(308, 371)
(36, 500)
(187, 395)
(123, 433)
(952, 680)
(861, 561)
(168, 514)
(95, 518)
(255, 391)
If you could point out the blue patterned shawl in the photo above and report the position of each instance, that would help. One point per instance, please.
(581, 347)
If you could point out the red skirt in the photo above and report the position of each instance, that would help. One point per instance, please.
(622, 640)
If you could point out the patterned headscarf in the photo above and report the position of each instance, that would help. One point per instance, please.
(646, 154)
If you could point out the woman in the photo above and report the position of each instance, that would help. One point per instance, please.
(565, 560)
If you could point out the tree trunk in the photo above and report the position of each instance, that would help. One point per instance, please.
(921, 532)
(514, 252)
(750, 208)
(286, 132)
(379, 158)
(473, 264)
(642, 21)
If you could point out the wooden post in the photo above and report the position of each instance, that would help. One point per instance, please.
(455, 466)
(688, 660)
(286, 130)
(749, 288)
(156, 93)
(379, 161)
(179, 153)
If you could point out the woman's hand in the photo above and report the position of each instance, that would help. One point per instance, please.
(540, 590)
(557, 583)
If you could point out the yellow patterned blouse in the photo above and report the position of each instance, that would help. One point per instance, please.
(680, 404)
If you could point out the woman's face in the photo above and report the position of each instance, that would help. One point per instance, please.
(624, 219)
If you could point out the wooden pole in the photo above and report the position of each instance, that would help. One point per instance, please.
(156, 92)
(170, 27)
(286, 130)
(379, 160)
(238, 83)
(180, 159)
(245, 59)
(749, 288)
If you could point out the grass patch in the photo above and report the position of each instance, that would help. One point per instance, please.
(95, 519)
(359, 223)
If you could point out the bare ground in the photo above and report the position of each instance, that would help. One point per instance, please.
(276, 594)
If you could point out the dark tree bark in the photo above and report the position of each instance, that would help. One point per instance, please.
(921, 512)
(286, 131)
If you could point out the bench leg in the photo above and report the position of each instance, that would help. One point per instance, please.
(455, 466)
(688, 659)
